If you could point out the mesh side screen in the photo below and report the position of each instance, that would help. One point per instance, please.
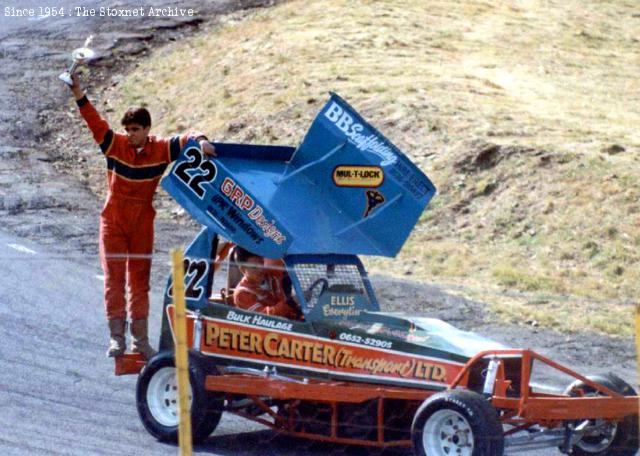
(340, 278)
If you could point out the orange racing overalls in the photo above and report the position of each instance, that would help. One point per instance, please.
(126, 221)
(267, 297)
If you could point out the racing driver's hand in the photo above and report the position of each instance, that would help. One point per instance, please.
(207, 148)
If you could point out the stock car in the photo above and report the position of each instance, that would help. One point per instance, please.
(347, 372)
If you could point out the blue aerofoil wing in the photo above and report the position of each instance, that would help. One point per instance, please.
(346, 189)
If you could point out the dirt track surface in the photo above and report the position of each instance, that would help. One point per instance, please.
(40, 202)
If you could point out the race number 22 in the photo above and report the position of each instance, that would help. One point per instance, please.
(194, 272)
(195, 171)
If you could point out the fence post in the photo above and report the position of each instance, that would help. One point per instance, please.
(182, 357)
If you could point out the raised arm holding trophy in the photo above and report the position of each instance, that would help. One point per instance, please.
(80, 56)
(135, 162)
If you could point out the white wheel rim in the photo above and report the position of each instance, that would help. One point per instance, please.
(162, 397)
(447, 433)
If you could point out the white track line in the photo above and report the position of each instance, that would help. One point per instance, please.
(22, 248)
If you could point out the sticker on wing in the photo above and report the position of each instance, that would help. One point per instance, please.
(217, 199)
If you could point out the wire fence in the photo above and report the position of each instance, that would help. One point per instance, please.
(20, 253)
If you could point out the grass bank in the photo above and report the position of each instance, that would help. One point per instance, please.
(523, 113)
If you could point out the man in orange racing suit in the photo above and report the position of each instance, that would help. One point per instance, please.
(135, 164)
(261, 288)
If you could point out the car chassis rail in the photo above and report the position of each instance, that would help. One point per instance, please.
(533, 407)
(533, 420)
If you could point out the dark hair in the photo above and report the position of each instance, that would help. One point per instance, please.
(138, 116)
(242, 255)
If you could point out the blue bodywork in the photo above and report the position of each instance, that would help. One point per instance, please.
(345, 190)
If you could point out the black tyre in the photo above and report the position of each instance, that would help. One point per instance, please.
(613, 438)
(457, 422)
(157, 399)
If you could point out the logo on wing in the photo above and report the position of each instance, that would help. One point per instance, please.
(374, 200)
(358, 135)
(358, 176)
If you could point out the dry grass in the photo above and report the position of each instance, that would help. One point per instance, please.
(561, 219)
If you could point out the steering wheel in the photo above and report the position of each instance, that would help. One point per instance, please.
(311, 291)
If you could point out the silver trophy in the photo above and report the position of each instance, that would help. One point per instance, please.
(80, 56)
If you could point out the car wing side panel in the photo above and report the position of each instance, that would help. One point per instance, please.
(360, 174)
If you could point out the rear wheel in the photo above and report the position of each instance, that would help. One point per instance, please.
(457, 422)
(609, 438)
(157, 399)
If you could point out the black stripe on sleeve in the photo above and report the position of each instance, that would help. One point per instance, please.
(174, 147)
(138, 173)
(82, 101)
(106, 143)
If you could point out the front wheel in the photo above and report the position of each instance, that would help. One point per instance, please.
(457, 422)
(609, 438)
(157, 399)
